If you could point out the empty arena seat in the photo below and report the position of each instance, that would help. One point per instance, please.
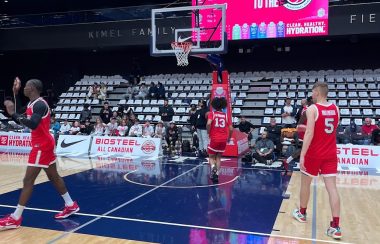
(149, 118)
(301, 95)
(331, 95)
(342, 103)
(239, 102)
(57, 116)
(372, 86)
(146, 102)
(365, 103)
(270, 102)
(73, 108)
(64, 116)
(342, 94)
(139, 110)
(345, 121)
(272, 95)
(376, 103)
(58, 108)
(274, 88)
(374, 94)
(345, 111)
(137, 102)
(354, 103)
(352, 94)
(363, 94)
(130, 102)
(147, 110)
(278, 111)
(176, 119)
(157, 118)
(377, 112)
(79, 108)
(268, 111)
(141, 117)
(266, 120)
(72, 116)
(291, 94)
(236, 111)
(281, 102)
(301, 87)
(368, 112)
(358, 122)
(356, 112)
(282, 95)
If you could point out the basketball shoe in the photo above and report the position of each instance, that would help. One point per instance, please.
(299, 216)
(8, 222)
(334, 232)
(67, 211)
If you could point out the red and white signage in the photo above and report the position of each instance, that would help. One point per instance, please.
(15, 142)
(125, 146)
(360, 156)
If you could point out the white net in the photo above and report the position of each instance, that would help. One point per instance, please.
(182, 50)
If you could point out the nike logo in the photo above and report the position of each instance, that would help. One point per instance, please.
(64, 145)
(180, 39)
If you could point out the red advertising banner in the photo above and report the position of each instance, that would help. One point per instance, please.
(257, 19)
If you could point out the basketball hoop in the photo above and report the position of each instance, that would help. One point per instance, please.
(182, 50)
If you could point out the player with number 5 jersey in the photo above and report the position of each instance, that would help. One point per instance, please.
(319, 156)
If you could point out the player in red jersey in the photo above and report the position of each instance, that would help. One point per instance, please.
(319, 155)
(42, 155)
(219, 128)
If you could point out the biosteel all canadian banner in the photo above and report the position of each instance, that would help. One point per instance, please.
(360, 156)
(258, 19)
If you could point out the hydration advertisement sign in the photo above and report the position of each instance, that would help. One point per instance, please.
(258, 19)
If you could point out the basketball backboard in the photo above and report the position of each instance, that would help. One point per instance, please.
(189, 24)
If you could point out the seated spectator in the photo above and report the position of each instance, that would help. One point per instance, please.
(116, 115)
(136, 129)
(143, 92)
(148, 130)
(102, 92)
(93, 91)
(129, 94)
(342, 135)
(75, 129)
(105, 113)
(111, 128)
(99, 127)
(368, 127)
(172, 134)
(123, 128)
(246, 127)
(86, 128)
(264, 149)
(65, 128)
(153, 91)
(160, 91)
(85, 113)
(55, 126)
(274, 133)
(160, 130)
(288, 112)
(376, 137)
(356, 136)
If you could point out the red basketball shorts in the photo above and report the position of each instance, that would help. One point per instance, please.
(41, 158)
(324, 167)
(216, 147)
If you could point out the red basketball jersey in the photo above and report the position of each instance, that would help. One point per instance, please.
(219, 126)
(323, 144)
(41, 136)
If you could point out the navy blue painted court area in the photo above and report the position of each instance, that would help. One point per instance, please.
(162, 201)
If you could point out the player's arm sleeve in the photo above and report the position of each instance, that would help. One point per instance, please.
(39, 110)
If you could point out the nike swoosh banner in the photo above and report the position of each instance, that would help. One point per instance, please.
(69, 145)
